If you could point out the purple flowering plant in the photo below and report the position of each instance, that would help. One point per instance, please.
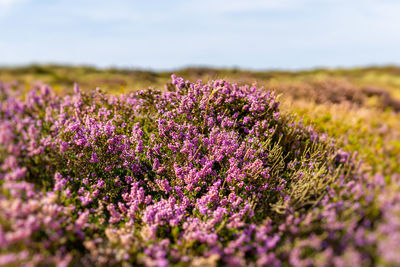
(198, 174)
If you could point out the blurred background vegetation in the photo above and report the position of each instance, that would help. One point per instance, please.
(359, 107)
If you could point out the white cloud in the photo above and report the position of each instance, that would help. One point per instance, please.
(228, 6)
(5, 4)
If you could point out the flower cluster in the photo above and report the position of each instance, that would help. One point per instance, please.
(200, 174)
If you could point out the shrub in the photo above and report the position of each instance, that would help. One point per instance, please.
(200, 174)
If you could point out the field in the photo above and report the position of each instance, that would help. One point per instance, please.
(244, 168)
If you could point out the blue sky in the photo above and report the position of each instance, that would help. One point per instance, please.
(252, 34)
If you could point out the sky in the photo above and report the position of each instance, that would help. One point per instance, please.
(162, 35)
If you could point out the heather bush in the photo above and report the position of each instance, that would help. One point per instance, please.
(199, 174)
(324, 91)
